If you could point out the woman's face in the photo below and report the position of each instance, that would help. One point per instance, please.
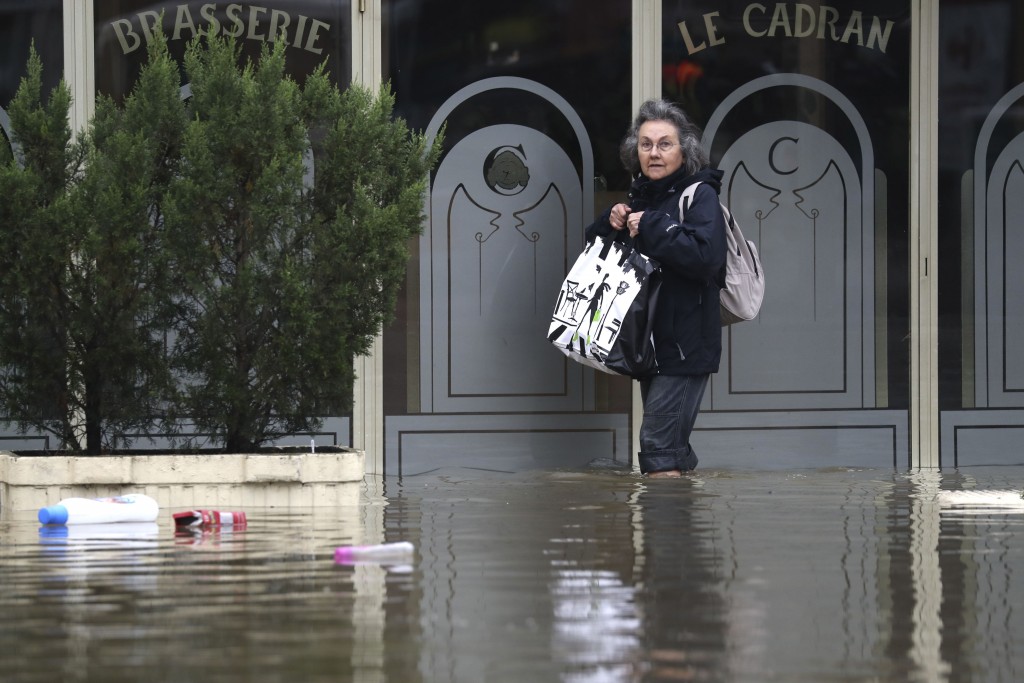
(659, 150)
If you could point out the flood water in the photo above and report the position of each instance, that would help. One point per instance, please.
(575, 576)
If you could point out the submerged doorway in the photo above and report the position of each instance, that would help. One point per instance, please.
(804, 129)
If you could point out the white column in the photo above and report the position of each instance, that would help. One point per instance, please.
(366, 42)
(646, 85)
(924, 276)
(79, 61)
(646, 51)
(368, 397)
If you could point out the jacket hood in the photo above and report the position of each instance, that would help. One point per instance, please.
(711, 176)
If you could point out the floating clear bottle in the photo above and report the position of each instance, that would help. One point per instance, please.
(384, 552)
(131, 507)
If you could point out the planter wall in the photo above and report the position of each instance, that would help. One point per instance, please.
(28, 482)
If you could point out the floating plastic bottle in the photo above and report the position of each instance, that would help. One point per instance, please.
(209, 518)
(131, 507)
(385, 552)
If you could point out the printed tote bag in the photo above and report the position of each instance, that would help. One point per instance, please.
(604, 312)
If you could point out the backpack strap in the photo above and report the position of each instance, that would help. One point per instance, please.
(686, 198)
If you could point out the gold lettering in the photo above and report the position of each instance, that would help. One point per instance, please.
(828, 17)
(234, 14)
(207, 12)
(314, 35)
(780, 19)
(183, 21)
(794, 20)
(254, 23)
(855, 27)
(746, 19)
(250, 22)
(712, 29)
(149, 28)
(876, 37)
(690, 47)
(709, 28)
(299, 30)
(123, 31)
(279, 26)
(802, 12)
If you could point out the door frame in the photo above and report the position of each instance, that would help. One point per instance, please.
(924, 281)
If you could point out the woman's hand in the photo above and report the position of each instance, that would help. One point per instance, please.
(618, 216)
(633, 223)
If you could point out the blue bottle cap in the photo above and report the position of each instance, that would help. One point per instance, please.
(53, 514)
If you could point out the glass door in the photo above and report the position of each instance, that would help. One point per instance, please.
(533, 98)
(806, 109)
(981, 232)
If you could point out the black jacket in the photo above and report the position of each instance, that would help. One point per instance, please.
(688, 325)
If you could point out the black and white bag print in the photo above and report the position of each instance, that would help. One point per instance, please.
(604, 313)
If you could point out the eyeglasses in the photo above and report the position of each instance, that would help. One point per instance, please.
(663, 146)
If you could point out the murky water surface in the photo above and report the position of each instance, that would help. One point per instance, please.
(540, 576)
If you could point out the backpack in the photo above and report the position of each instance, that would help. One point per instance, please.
(744, 277)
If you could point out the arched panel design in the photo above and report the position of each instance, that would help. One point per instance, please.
(505, 209)
(803, 198)
(988, 432)
(999, 237)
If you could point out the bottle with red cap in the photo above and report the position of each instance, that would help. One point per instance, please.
(209, 519)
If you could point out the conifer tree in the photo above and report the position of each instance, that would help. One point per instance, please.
(35, 384)
(219, 262)
(289, 223)
(82, 293)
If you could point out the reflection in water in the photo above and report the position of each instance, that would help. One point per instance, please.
(927, 578)
(685, 616)
(210, 538)
(86, 552)
(597, 620)
(596, 625)
(580, 577)
(980, 555)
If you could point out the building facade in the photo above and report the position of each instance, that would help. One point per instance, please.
(872, 149)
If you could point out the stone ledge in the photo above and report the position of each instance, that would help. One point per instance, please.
(29, 481)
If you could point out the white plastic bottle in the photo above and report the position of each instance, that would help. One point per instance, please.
(384, 553)
(132, 507)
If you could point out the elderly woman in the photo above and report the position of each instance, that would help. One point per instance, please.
(662, 150)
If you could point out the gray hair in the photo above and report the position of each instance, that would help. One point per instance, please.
(689, 136)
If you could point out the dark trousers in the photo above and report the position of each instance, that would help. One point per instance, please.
(671, 404)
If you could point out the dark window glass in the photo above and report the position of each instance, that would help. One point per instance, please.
(24, 23)
(980, 214)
